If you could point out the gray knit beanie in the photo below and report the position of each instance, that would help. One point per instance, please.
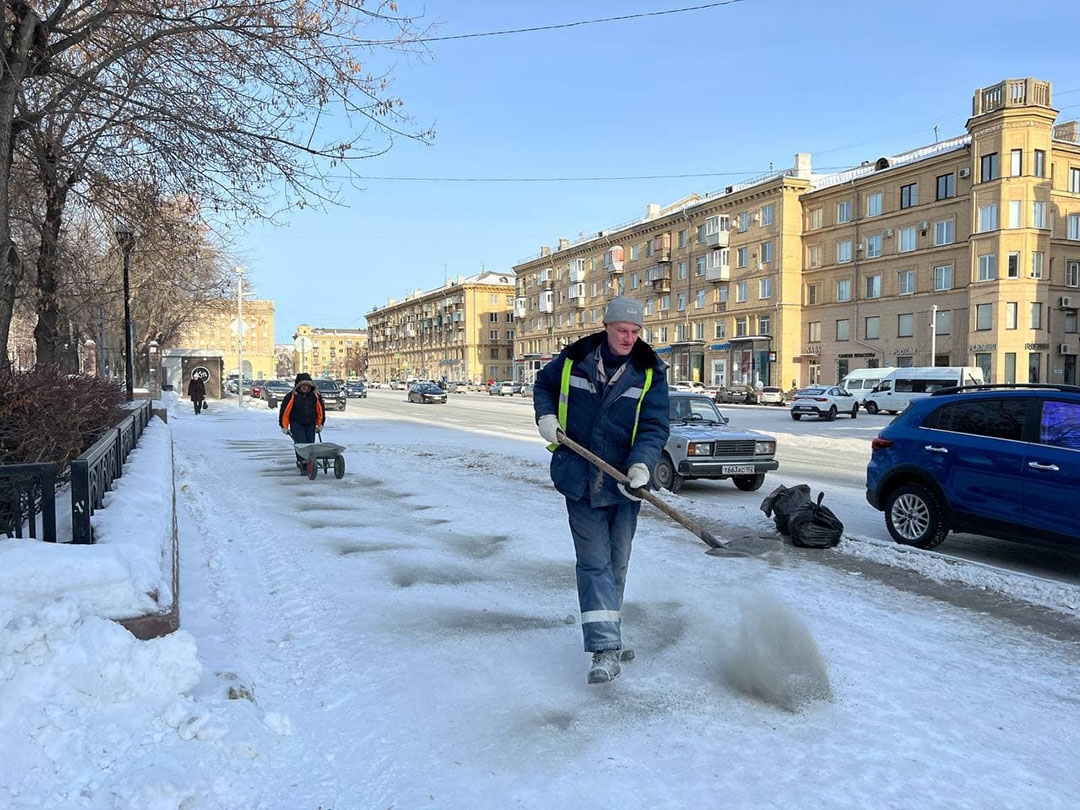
(624, 310)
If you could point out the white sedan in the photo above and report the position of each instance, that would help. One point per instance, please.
(824, 402)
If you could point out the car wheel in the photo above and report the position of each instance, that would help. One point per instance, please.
(749, 483)
(796, 416)
(831, 415)
(914, 516)
(871, 408)
(665, 476)
(855, 411)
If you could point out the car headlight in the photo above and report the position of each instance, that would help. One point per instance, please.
(764, 448)
(699, 449)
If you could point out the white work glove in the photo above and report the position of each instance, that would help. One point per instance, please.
(286, 431)
(549, 428)
(637, 476)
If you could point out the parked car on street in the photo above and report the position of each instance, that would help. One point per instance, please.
(728, 396)
(332, 394)
(996, 460)
(274, 390)
(256, 389)
(772, 395)
(507, 388)
(424, 392)
(397, 385)
(824, 402)
(703, 445)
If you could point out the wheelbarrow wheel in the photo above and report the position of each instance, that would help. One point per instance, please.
(312, 469)
(339, 466)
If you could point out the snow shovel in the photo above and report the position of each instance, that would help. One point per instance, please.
(696, 528)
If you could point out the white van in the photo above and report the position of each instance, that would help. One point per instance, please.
(861, 381)
(902, 385)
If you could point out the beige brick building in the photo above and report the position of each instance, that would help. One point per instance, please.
(334, 353)
(215, 328)
(963, 252)
(462, 331)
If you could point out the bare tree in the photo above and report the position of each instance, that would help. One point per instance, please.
(223, 103)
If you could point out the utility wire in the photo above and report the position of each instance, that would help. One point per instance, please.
(554, 27)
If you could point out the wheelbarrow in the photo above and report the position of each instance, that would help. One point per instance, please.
(322, 454)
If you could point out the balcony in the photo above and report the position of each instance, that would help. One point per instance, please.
(613, 259)
(717, 231)
(577, 270)
(661, 248)
(717, 267)
(519, 307)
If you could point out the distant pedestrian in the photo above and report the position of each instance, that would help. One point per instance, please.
(609, 394)
(302, 414)
(196, 390)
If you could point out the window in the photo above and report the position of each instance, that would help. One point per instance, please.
(699, 300)
(722, 292)
(1011, 311)
(1036, 316)
(493, 334)
(905, 325)
(814, 219)
(699, 331)
(843, 251)
(648, 306)
(944, 233)
(1072, 274)
(766, 215)
(988, 267)
(873, 286)
(764, 325)
(765, 288)
(766, 251)
(1074, 181)
(843, 290)
(905, 282)
(872, 327)
(814, 332)
(680, 270)
(741, 255)
(1073, 227)
(720, 330)
(813, 256)
(700, 234)
(665, 303)
(634, 281)
(684, 237)
(873, 204)
(907, 239)
(984, 317)
(989, 169)
(943, 325)
(699, 264)
(740, 327)
(943, 277)
(633, 253)
(1013, 268)
(1001, 418)
(1037, 264)
(680, 332)
(1038, 215)
(909, 195)
(1016, 216)
(946, 186)
(740, 291)
(1017, 162)
(812, 291)
(1070, 322)
(1040, 163)
(873, 246)
(843, 209)
(493, 317)
(680, 302)
(988, 218)
(843, 330)
(494, 354)
(744, 222)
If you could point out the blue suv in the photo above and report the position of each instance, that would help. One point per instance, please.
(996, 460)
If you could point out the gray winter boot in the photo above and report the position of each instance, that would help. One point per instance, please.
(605, 666)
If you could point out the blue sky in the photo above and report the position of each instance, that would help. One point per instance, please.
(729, 92)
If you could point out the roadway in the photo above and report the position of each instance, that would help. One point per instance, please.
(829, 456)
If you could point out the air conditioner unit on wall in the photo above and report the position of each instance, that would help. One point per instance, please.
(965, 172)
(888, 233)
(1065, 302)
(924, 226)
(1067, 348)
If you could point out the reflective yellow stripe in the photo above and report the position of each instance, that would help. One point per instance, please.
(637, 413)
(564, 397)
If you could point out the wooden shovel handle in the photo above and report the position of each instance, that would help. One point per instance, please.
(696, 528)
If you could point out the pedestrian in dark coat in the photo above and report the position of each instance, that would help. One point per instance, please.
(196, 390)
(612, 400)
(301, 413)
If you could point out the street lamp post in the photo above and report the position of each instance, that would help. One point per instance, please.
(125, 237)
(240, 334)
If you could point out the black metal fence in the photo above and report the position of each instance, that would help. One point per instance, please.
(28, 489)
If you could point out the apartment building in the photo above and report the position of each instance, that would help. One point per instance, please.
(963, 252)
(329, 352)
(462, 331)
(215, 329)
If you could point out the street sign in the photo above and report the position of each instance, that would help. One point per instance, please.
(200, 373)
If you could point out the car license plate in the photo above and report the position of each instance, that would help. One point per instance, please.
(737, 469)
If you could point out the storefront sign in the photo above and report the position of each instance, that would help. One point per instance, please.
(813, 350)
(664, 350)
(858, 354)
(904, 350)
(719, 347)
(1037, 347)
(982, 347)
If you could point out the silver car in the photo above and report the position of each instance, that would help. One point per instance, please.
(703, 445)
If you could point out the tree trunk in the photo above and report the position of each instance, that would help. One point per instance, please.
(47, 331)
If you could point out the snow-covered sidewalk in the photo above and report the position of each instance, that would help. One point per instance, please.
(407, 637)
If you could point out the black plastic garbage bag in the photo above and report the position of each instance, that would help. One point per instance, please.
(815, 526)
(781, 503)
